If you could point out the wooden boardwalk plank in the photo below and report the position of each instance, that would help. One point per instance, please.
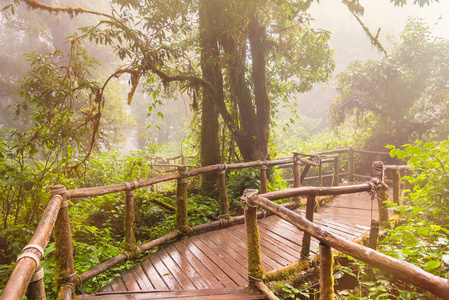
(221, 239)
(117, 285)
(217, 260)
(164, 273)
(239, 279)
(210, 278)
(216, 294)
(210, 264)
(141, 278)
(240, 238)
(266, 249)
(153, 276)
(184, 281)
(187, 268)
(130, 282)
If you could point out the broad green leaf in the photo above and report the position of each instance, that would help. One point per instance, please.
(429, 145)
(402, 155)
(415, 150)
(432, 264)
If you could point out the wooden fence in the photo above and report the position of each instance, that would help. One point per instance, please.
(27, 277)
(404, 271)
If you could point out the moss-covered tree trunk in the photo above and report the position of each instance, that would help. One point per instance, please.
(257, 34)
(211, 72)
(235, 48)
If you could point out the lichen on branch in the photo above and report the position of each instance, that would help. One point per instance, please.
(71, 11)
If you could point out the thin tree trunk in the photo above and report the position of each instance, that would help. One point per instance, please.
(235, 50)
(209, 135)
(263, 106)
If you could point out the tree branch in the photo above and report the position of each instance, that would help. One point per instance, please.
(71, 11)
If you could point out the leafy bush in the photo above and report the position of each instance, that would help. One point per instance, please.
(422, 235)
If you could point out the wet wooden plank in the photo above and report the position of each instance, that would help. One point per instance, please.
(210, 264)
(117, 285)
(187, 268)
(240, 238)
(152, 274)
(141, 278)
(219, 242)
(227, 269)
(183, 280)
(107, 289)
(130, 282)
(239, 293)
(164, 273)
(210, 278)
(222, 240)
(266, 250)
(293, 241)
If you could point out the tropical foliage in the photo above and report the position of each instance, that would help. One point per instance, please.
(421, 235)
(403, 96)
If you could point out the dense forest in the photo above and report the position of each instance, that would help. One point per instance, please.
(90, 94)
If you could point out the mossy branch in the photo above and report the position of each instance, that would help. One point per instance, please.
(374, 39)
(71, 11)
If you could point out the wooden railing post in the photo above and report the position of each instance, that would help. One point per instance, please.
(181, 201)
(351, 164)
(255, 271)
(224, 203)
(320, 173)
(379, 172)
(296, 177)
(336, 177)
(65, 267)
(263, 178)
(130, 239)
(326, 268)
(373, 234)
(396, 191)
(36, 288)
(305, 250)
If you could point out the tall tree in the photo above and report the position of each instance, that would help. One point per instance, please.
(399, 97)
(251, 53)
(209, 27)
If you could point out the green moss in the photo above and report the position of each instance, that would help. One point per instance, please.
(288, 271)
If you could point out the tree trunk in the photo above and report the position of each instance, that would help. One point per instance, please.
(263, 106)
(211, 72)
(235, 50)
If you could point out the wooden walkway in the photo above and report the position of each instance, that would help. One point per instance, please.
(214, 263)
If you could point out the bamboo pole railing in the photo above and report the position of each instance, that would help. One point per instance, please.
(402, 270)
(56, 212)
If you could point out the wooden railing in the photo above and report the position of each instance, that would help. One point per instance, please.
(402, 270)
(27, 277)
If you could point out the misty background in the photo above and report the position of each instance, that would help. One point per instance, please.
(171, 123)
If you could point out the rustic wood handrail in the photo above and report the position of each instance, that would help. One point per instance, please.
(67, 277)
(403, 270)
(20, 278)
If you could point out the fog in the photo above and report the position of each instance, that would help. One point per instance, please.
(351, 43)
(347, 38)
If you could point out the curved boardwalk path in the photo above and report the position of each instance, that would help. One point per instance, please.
(213, 265)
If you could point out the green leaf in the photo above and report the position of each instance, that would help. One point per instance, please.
(405, 295)
(429, 145)
(415, 150)
(402, 155)
(432, 264)
(50, 248)
(393, 152)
